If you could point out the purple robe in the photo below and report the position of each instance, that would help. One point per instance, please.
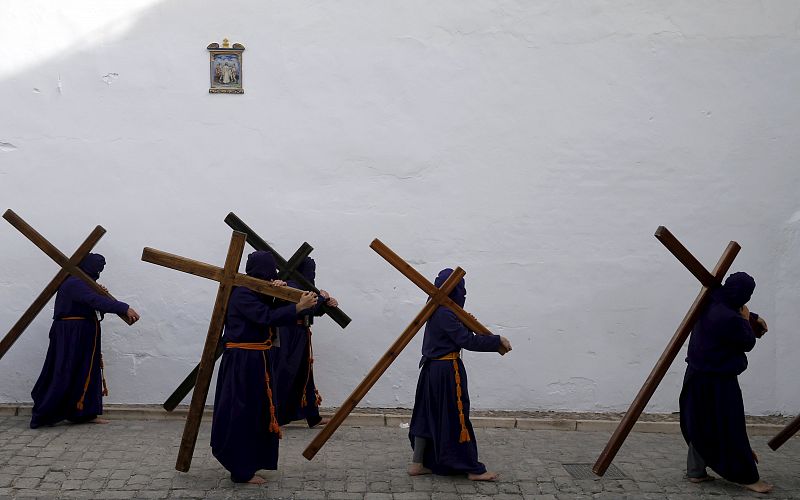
(435, 416)
(74, 352)
(712, 410)
(293, 374)
(240, 432)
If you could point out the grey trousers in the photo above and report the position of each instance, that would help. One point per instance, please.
(695, 465)
(419, 449)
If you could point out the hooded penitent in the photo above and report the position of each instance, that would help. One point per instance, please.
(712, 409)
(295, 389)
(244, 431)
(441, 405)
(69, 386)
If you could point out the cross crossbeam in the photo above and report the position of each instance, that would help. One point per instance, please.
(709, 280)
(228, 277)
(437, 297)
(69, 266)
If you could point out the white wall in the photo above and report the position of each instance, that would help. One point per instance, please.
(536, 144)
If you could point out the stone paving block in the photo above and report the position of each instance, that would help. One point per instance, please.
(25, 482)
(546, 424)
(309, 495)
(377, 496)
(493, 422)
(365, 420)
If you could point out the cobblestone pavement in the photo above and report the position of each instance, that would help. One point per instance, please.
(135, 459)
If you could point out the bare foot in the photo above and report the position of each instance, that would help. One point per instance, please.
(486, 476)
(416, 469)
(701, 479)
(257, 480)
(99, 421)
(759, 487)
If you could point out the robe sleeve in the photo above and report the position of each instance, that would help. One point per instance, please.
(464, 338)
(258, 312)
(740, 335)
(82, 293)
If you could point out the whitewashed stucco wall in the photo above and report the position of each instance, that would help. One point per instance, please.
(536, 144)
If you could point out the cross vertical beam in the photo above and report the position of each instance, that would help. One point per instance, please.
(206, 369)
(709, 281)
(790, 430)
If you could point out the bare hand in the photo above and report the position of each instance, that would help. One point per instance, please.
(332, 302)
(763, 325)
(325, 295)
(132, 315)
(745, 312)
(505, 346)
(278, 282)
(307, 300)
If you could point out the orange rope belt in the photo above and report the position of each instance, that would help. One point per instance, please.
(454, 356)
(262, 346)
(80, 404)
(318, 397)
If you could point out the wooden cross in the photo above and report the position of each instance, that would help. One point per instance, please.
(437, 297)
(784, 435)
(710, 281)
(286, 271)
(228, 277)
(69, 266)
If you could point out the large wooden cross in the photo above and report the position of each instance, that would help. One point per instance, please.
(286, 271)
(228, 277)
(69, 266)
(437, 297)
(710, 281)
(790, 430)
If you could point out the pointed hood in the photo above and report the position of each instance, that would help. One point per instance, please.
(737, 290)
(308, 268)
(261, 264)
(93, 264)
(459, 293)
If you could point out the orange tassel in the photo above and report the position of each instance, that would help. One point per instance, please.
(304, 398)
(273, 420)
(464, 437)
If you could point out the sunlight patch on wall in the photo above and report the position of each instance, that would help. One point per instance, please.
(40, 29)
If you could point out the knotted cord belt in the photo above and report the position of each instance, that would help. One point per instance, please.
(317, 396)
(80, 405)
(454, 356)
(263, 347)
